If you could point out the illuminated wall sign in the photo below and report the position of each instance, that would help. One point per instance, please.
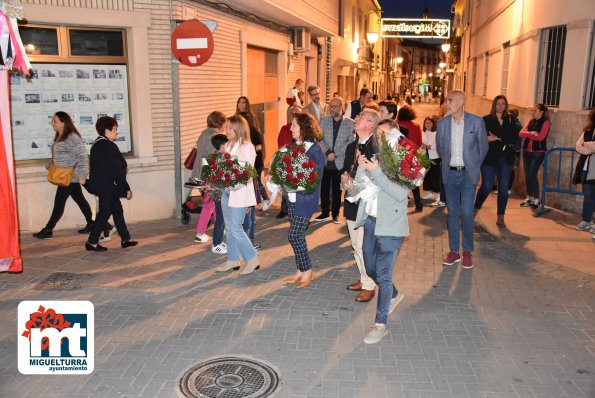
(416, 28)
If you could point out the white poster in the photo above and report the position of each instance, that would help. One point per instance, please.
(85, 92)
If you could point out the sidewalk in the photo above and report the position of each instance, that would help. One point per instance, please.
(551, 237)
(519, 324)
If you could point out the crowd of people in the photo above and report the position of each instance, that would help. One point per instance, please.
(341, 140)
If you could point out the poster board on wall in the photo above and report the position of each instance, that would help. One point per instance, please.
(84, 91)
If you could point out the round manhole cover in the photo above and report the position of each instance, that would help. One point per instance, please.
(230, 378)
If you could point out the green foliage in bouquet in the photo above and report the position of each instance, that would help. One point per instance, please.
(402, 163)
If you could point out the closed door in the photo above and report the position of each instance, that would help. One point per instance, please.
(263, 93)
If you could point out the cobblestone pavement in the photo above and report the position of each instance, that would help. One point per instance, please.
(517, 325)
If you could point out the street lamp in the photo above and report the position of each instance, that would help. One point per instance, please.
(442, 65)
(399, 60)
(438, 70)
(372, 37)
(445, 47)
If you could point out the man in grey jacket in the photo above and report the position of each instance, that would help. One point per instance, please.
(337, 133)
(462, 144)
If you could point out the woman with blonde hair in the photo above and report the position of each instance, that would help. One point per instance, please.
(234, 203)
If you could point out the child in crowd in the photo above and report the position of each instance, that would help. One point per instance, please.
(213, 203)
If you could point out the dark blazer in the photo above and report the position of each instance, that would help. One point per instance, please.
(475, 145)
(108, 168)
(350, 209)
(306, 204)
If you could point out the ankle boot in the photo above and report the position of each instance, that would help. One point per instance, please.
(251, 265)
(229, 265)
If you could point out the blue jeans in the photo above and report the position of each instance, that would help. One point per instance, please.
(460, 193)
(380, 253)
(238, 243)
(219, 224)
(532, 162)
(488, 173)
(249, 224)
(588, 201)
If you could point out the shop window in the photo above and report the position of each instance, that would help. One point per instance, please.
(551, 61)
(96, 42)
(47, 43)
(82, 72)
(40, 41)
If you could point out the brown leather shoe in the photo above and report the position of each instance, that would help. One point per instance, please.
(355, 286)
(365, 295)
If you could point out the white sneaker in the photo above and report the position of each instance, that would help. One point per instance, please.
(376, 334)
(265, 205)
(583, 226)
(219, 249)
(198, 238)
(429, 195)
(104, 238)
(395, 301)
(438, 204)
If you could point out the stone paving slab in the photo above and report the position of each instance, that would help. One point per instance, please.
(517, 325)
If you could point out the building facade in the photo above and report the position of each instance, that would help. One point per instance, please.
(532, 52)
(164, 104)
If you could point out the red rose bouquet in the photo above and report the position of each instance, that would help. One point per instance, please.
(402, 163)
(292, 169)
(224, 171)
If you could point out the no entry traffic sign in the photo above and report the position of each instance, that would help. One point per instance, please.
(192, 43)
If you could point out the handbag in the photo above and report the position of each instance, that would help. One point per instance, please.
(189, 162)
(60, 176)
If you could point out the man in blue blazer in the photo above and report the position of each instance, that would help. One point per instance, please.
(462, 144)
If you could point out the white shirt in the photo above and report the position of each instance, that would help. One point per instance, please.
(317, 110)
(456, 143)
(429, 139)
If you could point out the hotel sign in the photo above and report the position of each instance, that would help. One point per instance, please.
(415, 28)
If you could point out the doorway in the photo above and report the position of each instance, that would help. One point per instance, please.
(263, 93)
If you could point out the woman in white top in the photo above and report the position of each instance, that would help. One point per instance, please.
(433, 179)
(235, 202)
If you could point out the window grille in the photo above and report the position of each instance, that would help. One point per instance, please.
(485, 74)
(505, 65)
(589, 92)
(553, 43)
(474, 76)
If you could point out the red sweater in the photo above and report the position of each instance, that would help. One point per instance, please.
(414, 131)
(285, 137)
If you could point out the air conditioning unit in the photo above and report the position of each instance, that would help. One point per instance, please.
(300, 38)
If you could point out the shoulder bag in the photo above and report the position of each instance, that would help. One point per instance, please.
(60, 176)
(189, 162)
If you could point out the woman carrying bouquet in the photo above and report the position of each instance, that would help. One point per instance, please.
(234, 203)
(300, 204)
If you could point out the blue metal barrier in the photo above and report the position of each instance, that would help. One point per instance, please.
(557, 188)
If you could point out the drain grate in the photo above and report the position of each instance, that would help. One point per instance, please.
(230, 378)
(64, 281)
